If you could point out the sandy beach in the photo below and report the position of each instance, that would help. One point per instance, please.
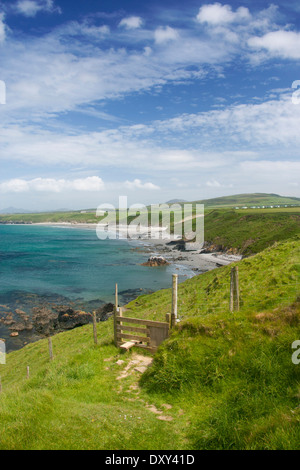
(196, 260)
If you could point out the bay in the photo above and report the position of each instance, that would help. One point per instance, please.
(51, 264)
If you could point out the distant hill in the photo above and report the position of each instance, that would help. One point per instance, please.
(255, 199)
(13, 210)
(11, 214)
(175, 201)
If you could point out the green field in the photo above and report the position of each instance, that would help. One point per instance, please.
(221, 381)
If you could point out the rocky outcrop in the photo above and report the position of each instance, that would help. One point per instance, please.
(22, 326)
(155, 261)
(178, 245)
(44, 320)
(47, 321)
(219, 248)
(67, 320)
(8, 320)
(104, 312)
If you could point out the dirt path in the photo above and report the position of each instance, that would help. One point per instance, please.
(139, 363)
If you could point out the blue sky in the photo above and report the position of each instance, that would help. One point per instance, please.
(152, 100)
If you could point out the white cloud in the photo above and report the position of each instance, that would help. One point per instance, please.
(269, 123)
(30, 8)
(215, 14)
(213, 184)
(58, 72)
(203, 142)
(165, 34)
(92, 183)
(285, 44)
(14, 186)
(84, 28)
(132, 22)
(147, 51)
(137, 184)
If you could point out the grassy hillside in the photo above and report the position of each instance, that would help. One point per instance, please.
(256, 199)
(221, 380)
(72, 216)
(249, 232)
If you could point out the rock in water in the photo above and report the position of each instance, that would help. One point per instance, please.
(155, 261)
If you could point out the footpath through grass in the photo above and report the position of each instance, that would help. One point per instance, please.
(221, 381)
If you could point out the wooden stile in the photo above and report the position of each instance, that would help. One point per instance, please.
(152, 333)
(128, 345)
(145, 339)
(140, 321)
(136, 329)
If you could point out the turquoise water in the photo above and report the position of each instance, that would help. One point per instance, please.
(40, 264)
(74, 263)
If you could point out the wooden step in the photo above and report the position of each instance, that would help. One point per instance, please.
(128, 345)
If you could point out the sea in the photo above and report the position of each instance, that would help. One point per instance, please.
(42, 264)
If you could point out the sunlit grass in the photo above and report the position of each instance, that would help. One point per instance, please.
(228, 376)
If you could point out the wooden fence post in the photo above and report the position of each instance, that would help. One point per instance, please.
(115, 326)
(115, 316)
(50, 348)
(174, 299)
(234, 289)
(120, 313)
(116, 298)
(95, 328)
(27, 376)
